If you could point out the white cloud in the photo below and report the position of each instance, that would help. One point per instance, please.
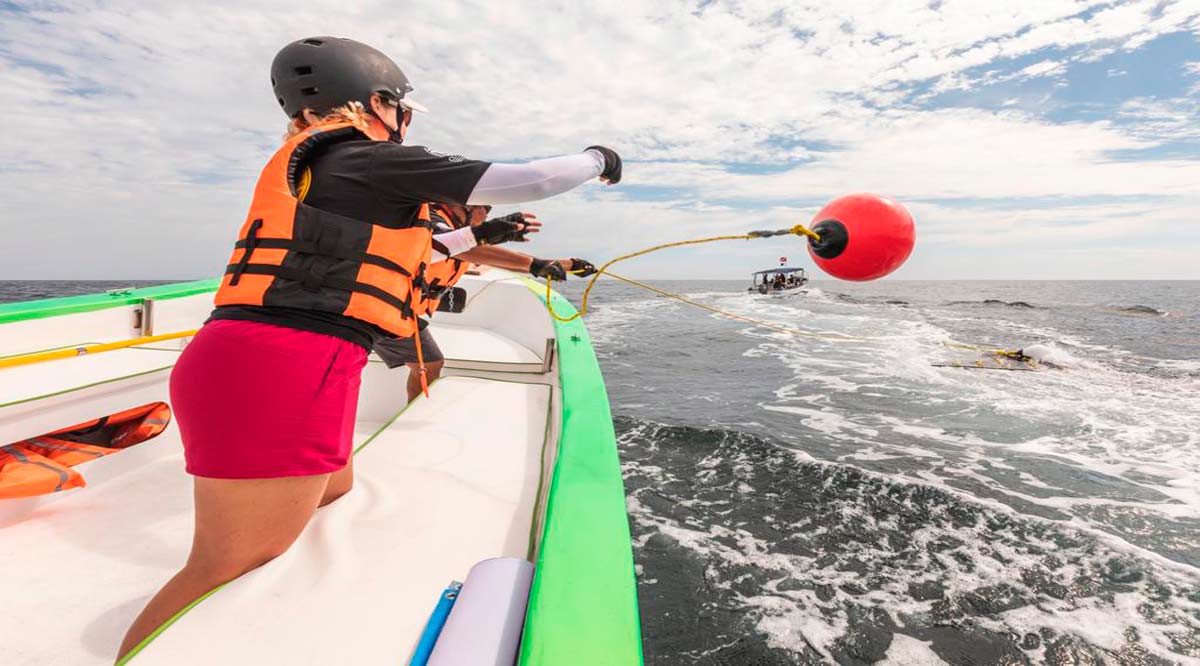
(957, 153)
(1162, 119)
(1044, 68)
(148, 122)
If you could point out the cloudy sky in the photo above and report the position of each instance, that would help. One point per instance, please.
(1032, 138)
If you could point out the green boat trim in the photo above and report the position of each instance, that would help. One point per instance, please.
(53, 307)
(133, 652)
(583, 604)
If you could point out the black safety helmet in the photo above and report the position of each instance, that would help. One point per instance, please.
(322, 73)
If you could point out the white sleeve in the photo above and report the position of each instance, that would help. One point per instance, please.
(540, 179)
(450, 243)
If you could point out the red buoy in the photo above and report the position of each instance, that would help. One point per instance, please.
(863, 237)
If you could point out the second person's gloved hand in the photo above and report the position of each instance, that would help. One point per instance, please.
(543, 268)
(581, 267)
(612, 164)
(511, 227)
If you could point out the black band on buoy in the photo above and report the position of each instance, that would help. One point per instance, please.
(834, 238)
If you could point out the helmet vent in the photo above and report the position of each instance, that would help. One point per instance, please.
(312, 42)
(309, 91)
(272, 82)
(304, 70)
(281, 102)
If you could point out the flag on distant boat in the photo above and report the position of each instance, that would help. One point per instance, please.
(782, 261)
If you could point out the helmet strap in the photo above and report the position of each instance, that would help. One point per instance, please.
(393, 135)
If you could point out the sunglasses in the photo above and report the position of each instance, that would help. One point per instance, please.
(392, 100)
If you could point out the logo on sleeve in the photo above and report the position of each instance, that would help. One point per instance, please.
(448, 158)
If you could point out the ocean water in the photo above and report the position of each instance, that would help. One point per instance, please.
(817, 499)
(833, 497)
(32, 290)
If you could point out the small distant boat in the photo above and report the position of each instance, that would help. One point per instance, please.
(779, 279)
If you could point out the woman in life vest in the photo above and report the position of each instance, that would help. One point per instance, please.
(329, 261)
(443, 275)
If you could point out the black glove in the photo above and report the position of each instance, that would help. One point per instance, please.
(540, 268)
(511, 227)
(612, 164)
(582, 267)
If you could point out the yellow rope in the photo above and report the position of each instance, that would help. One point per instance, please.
(726, 313)
(798, 230)
(1014, 354)
(1003, 353)
(38, 357)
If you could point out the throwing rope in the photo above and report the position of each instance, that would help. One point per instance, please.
(798, 230)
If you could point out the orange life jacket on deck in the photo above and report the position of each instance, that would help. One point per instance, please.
(289, 254)
(25, 473)
(441, 275)
(42, 465)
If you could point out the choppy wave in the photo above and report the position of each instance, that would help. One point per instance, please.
(752, 553)
(833, 497)
(996, 301)
(1142, 310)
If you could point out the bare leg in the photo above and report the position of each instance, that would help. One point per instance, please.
(433, 370)
(240, 525)
(340, 482)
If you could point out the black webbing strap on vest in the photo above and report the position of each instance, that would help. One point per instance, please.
(249, 243)
(315, 278)
(418, 280)
(310, 247)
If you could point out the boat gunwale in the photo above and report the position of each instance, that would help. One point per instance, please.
(65, 305)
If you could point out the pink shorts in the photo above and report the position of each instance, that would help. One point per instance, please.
(260, 401)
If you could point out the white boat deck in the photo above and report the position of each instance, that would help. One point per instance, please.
(28, 382)
(434, 493)
(481, 349)
(454, 479)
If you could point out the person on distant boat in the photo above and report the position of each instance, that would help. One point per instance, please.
(327, 263)
(442, 276)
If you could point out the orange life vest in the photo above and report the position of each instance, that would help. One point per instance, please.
(441, 275)
(43, 464)
(24, 473)
(289, 254)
